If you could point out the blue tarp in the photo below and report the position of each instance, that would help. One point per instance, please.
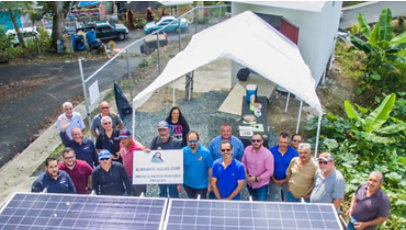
(5, 20)
(87, 3)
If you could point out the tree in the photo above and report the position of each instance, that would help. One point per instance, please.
(58, 10)
(21, 7)
(385, 61)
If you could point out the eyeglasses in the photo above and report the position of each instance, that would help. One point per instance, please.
(323, 162)
(105, 107)
(104, 159)
(225, 150)
(67, 158)
(296, 140)
(256, 140)
(193, 141)
(106, 123)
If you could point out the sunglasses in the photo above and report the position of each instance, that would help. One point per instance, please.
(104, 159)
(296, 140)
(105, 107)
(225, 150)
(323, 162)
(193, 141)
(256, 140)
(106, 123)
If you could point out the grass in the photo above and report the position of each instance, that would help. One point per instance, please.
(351, 62)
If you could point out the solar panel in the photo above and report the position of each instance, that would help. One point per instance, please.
(62, 211)
(214, 214)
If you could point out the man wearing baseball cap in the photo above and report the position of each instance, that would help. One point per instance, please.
(165, 142)
(127, 147)
(110, 178)
(329, 183)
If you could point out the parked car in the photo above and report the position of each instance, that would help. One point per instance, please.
(171, 21)
(29, 33)
(106, 30)
(150, 43)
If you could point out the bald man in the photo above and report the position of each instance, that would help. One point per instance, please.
(97, 127)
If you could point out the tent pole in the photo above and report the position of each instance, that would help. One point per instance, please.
(299, 116)
(133, 124)
(173, 94)
(287, 103)
(317, 135)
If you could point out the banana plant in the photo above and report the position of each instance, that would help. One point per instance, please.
(381, 46)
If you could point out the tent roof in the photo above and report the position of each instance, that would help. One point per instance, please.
(312, 6)
(250, 41)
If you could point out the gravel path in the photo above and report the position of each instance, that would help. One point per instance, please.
(202, 116)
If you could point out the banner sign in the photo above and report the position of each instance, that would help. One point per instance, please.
(158, 167)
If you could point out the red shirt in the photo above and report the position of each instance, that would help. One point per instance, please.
(79, 174)
(128, 156)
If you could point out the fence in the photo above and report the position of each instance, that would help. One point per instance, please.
(140, 62)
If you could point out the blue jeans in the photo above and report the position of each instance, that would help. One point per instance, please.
(291, 198)
(173, 191)
(278, 193)
(259, 193)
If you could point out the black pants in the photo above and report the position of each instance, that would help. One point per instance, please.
(193, 192)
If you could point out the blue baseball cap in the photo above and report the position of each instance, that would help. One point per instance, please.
(104, 154)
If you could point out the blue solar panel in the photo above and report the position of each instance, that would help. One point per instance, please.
(57, 211)
(213, 214)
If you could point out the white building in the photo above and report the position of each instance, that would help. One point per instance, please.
(312, 25)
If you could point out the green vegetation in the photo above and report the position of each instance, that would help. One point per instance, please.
(365, 141)
(385, 55)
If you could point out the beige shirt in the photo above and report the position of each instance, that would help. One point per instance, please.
(301, 180)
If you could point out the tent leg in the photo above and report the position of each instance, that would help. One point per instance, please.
(133, 123)
(173, 94)
(287, 103)
(299, 116)
(317, 135)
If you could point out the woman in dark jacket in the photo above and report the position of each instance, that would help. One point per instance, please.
(178, 125)
(108, 139)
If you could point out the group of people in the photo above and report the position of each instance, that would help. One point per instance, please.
(286, 172)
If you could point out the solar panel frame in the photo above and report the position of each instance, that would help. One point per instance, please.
(60, 211)
(221, 215)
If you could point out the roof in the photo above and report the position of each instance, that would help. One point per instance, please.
(249, 41)
(175, 3)
(312, 6)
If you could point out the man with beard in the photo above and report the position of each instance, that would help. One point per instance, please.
(258, 162)
(197, 162)
(370, 205)
(165, 142)
(79, 171)
(53, 180)
(329, 185)
(228, 174)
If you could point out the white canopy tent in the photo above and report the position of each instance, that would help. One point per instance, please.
(251, 42)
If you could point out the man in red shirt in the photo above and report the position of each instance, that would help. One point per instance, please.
(79, 171)
(127, 147)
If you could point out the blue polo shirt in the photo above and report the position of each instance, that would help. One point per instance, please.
(86, 151)
(196, 166)
(227, 178)
(281, 163)
(63, 184)
(238, 147)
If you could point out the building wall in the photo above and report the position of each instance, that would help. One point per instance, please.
(317, 32)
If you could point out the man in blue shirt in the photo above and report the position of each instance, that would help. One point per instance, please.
(282, 154)
(53, 180)
(228, 174)
(197, 162)
(226, 133)
(83, 147)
